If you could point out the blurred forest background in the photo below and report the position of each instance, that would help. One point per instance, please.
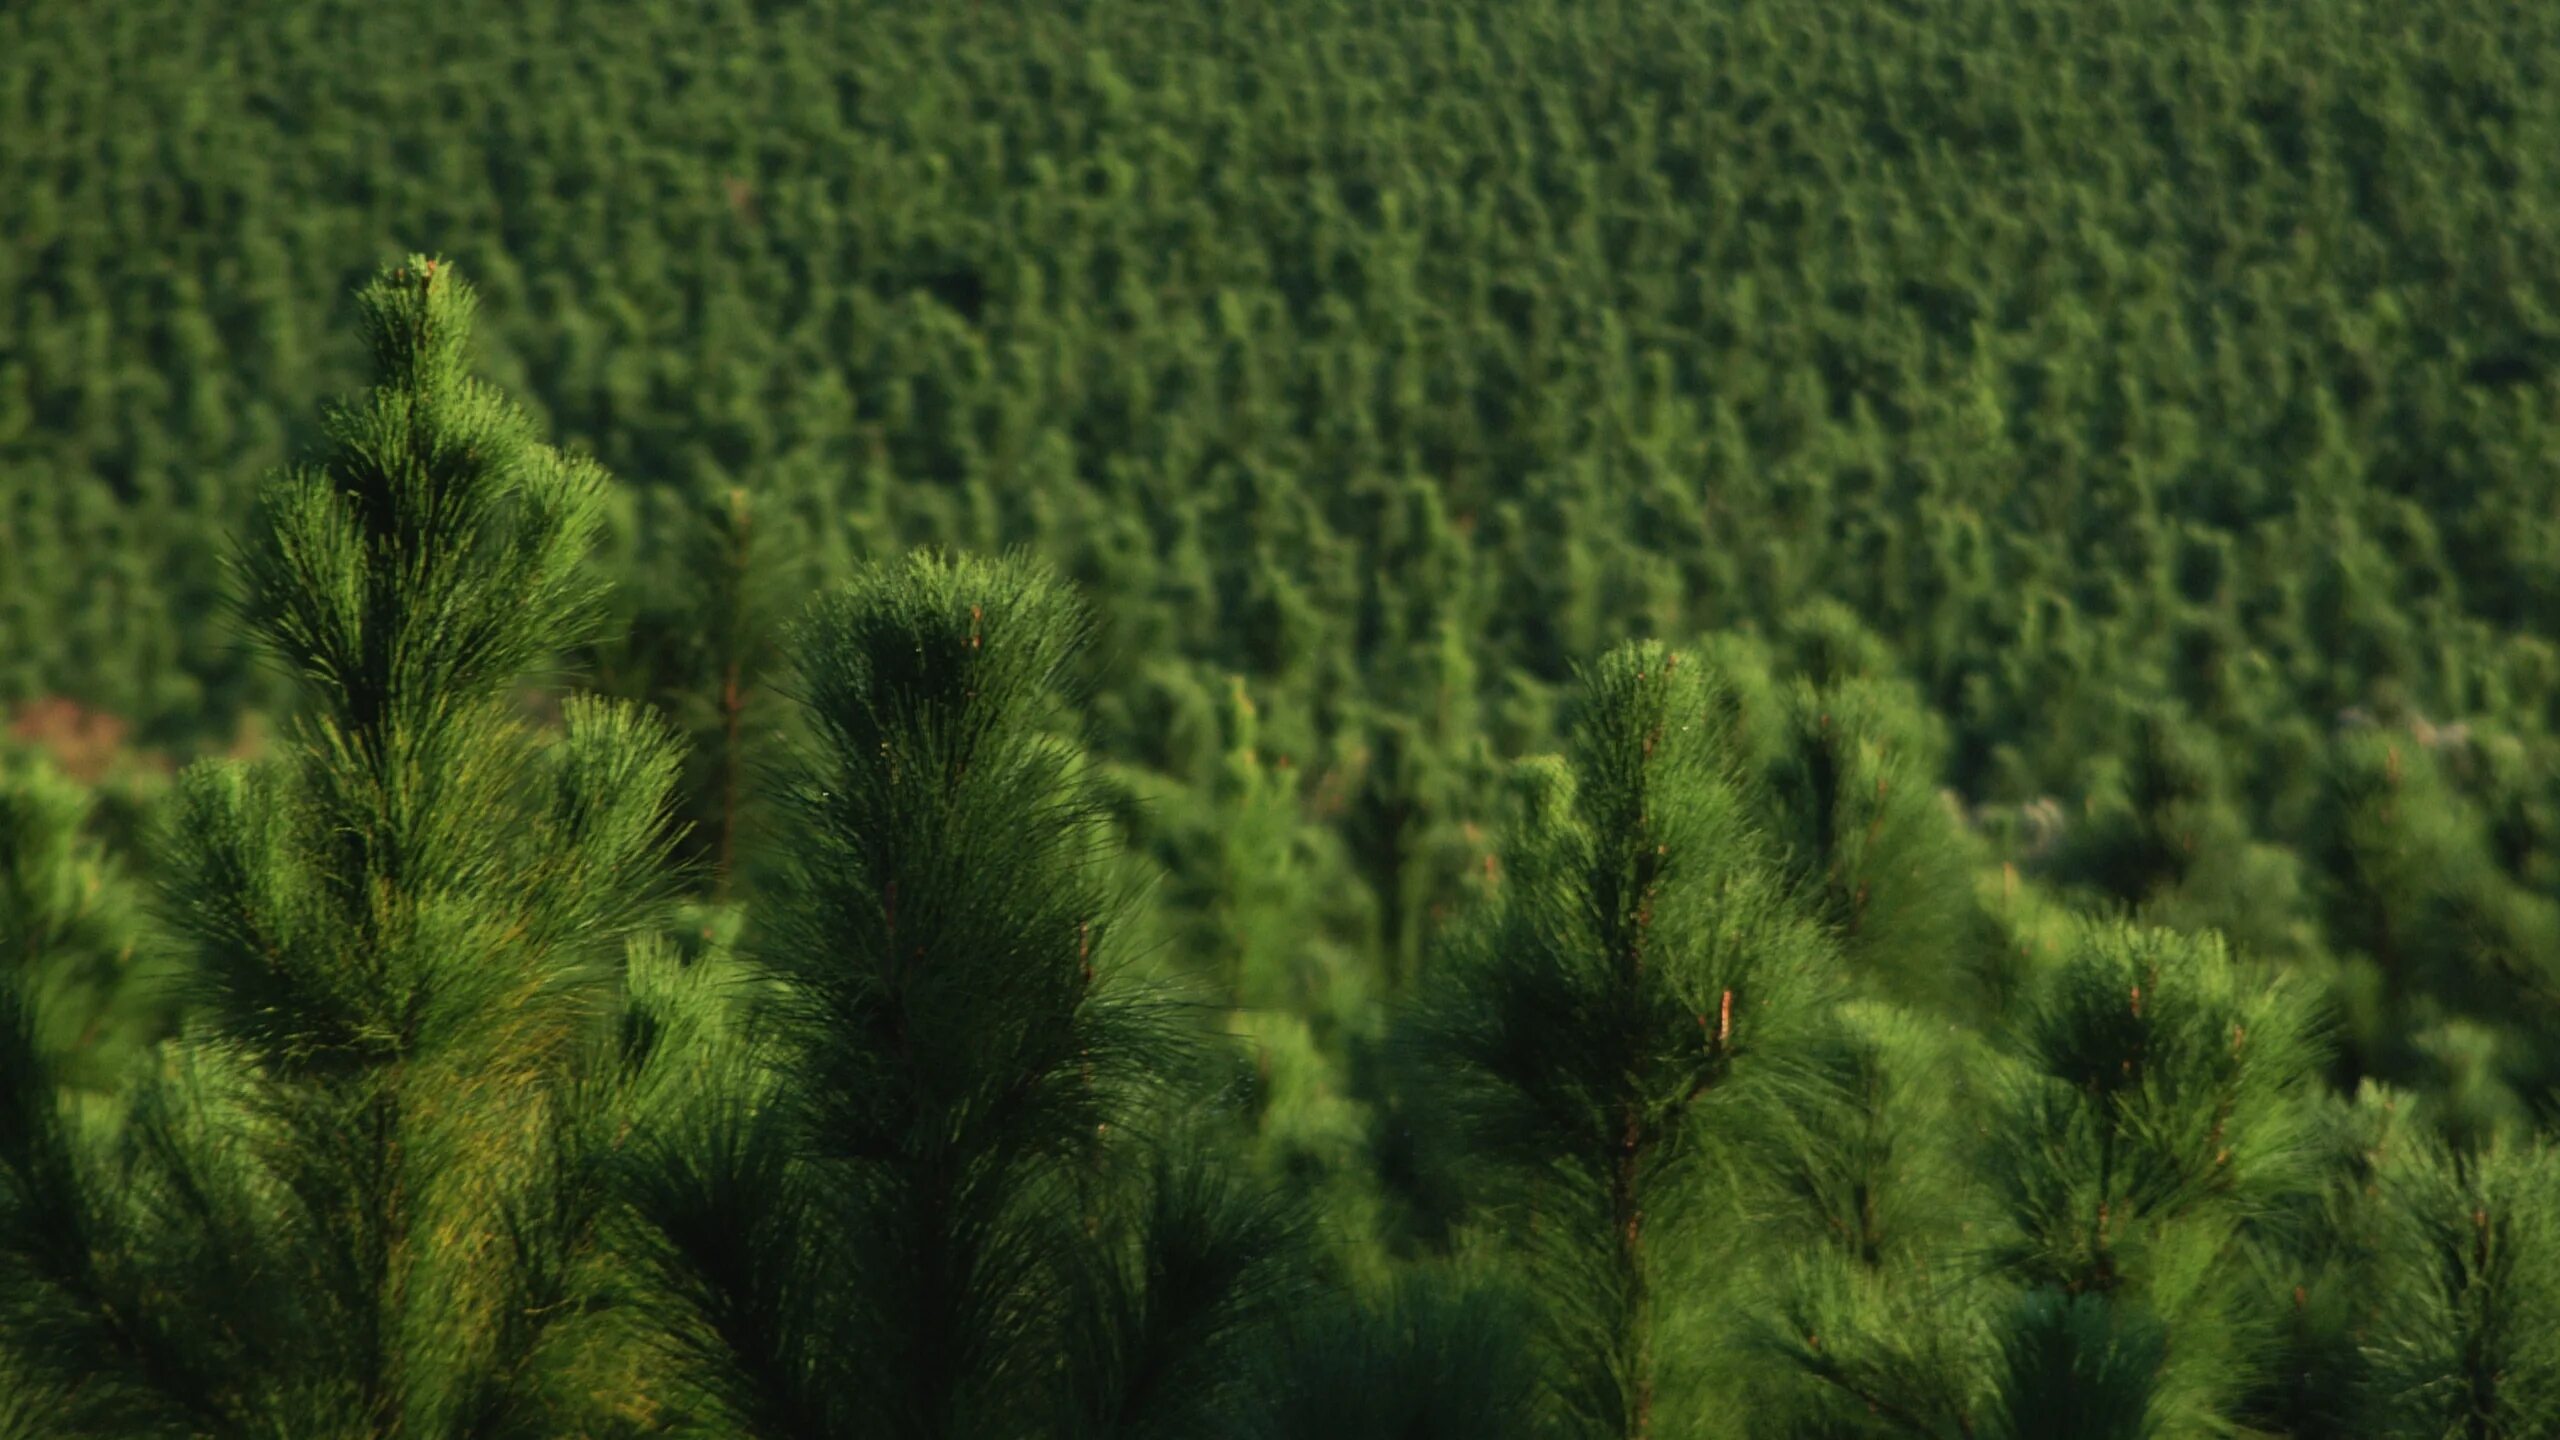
(2104, 453)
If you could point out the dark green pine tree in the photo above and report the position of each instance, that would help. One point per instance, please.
(1402, 825)
(1440, 1354)
(2155, 1155)
(1852, 796)
(2163, 831)
(701, 641)
(70, 930)
(335, 1214)
(2462, 1337)
(2149, 1151)
(966, 1203)
(1873, 1295)
(68, 935)
(1851, 760)
(2451, 969)
(1634, 1019)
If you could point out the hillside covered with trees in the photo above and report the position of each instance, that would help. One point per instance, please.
(1136, 718)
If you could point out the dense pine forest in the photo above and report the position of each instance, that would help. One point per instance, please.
(1283, 719)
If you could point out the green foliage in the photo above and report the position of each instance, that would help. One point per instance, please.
(336, 1212)
(2147, 1151)
(2466, 1337)
(1853, 803)
(1631, 1014)
(701, 643)
(1441, 1353)
(971, 1210)
(2456, 955)
(70, 931)
(2095, 468)
(1667, 319)
(2075, 1365)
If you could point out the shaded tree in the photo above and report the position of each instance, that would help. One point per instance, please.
(960, 1205)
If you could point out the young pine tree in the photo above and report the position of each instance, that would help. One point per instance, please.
(1852, 797)
(2463, 1335)
(69, 930)
(964, 1209)
(2148, 1151)
(2156, 1153)
(67, 937)
(2432, 930)
(331, 1219)
(702, 643)
(1634, 1018)
(1873, 1299)
(2163, 830)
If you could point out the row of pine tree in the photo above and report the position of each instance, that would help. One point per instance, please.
(1732, 1101)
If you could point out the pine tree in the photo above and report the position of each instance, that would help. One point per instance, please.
(1276, 905)
(1871, 1294)
(2163, 832)
(69, 930)
(67, 934)
(1848, 762)
(964, 1209)
(2151, 1148)
(2463, 1337)
(2319, 1377)
(2158, 1139)
(1401, 824)
(1851, 795)
(335, 1215)
(701, 642)
(1442, 1352)
(2433, 932)
(1633, 1019)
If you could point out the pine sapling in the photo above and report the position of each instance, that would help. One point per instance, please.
(1625, 1026)
(331, 1220)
